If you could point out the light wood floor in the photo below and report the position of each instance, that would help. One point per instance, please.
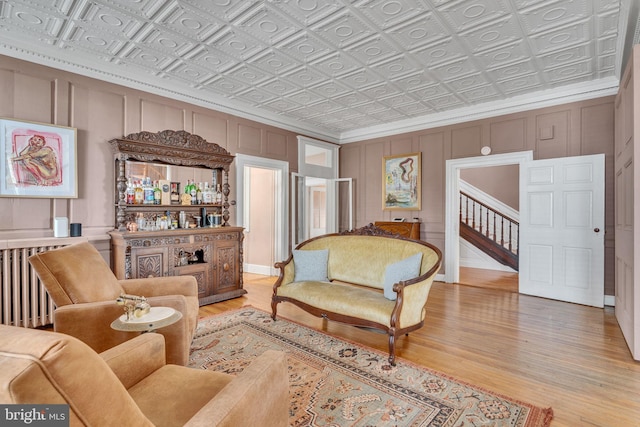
(493, 279)
(551, 354)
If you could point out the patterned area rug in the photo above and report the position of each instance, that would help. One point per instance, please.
(334, 382)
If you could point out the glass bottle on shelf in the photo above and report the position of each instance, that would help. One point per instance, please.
(199, 194)
(175, 195)
(219, 195)
(206, 194)
(212, 189)
(131, 192)
(141, 222)
(139, 194)
(194, 193)
(157, 193)
(148, 191)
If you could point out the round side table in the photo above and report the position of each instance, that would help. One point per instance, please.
(157, 317)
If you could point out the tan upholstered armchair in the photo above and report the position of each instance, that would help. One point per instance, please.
(84, 290)
(130, 384)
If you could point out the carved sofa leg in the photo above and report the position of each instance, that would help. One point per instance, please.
(274, 309)
(392, 348)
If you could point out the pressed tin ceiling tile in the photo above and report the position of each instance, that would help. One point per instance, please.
(326, 67)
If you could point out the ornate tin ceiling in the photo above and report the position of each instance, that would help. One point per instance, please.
(337, 70)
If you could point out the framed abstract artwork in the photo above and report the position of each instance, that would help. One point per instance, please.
(37, 160)
(401, 179)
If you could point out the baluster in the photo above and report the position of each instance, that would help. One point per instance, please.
(487, 230)
(510, 239)
(466, 210)
(501, 231)
(473, 214)
(495, 235)
(466, 219)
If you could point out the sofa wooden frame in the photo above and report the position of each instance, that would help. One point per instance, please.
(392, 331)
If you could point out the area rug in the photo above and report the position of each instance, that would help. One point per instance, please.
(334, 382)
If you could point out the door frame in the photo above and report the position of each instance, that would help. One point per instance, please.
(452, 202)
(281, 196)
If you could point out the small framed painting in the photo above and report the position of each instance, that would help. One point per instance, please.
(37, 160)
(401, 179)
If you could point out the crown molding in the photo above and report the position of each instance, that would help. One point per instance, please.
(113, 74)
(548, 98)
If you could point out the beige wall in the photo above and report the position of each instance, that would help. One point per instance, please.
(574, 129)
(500, 182)
(102, 111)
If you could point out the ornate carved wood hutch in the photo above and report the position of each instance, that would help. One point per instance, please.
(213, 255)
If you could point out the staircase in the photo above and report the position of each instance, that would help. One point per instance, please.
(490, 231)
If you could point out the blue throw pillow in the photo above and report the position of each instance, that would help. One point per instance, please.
(311, 265)
(405, 269)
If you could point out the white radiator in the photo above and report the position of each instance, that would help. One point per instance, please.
(25, 301)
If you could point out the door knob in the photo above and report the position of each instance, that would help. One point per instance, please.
(597, 230)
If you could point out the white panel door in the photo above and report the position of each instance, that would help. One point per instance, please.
(562, 229)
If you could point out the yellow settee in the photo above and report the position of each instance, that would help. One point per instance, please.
(360, 264)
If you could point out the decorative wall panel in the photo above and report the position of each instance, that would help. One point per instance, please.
(276, 145)
(211, 128)
(466, 142)
(552, 135)
(433, 173)
(156, 117)
(508, 136)
(249, 139)
(27, 90)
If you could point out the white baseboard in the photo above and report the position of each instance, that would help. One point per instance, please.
(259, 269)
(610, 300)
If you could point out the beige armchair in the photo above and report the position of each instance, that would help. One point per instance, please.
(84, 290)
(131, 385)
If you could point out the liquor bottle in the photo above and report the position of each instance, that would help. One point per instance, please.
(219, 195)
(194, 193)
(131, 192)
(206, 194)
(175, 195)
(148, 191)
(157, 193)
(187, 190)
(212, 190)
(139, 196)
(199, 194)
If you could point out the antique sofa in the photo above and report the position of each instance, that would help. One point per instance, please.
(366, 277)
(84, 290)
(130, 384)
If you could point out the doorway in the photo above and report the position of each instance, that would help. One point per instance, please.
(490, 204)
(561, 246)
(262, 211)
(452, 224)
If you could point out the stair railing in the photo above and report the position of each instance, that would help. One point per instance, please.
(494, 225)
